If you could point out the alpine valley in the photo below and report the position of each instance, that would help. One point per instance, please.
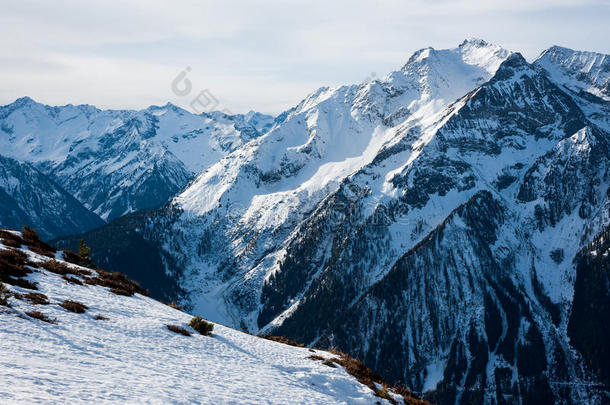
(447, 224)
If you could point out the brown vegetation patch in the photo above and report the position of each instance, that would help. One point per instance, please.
(35, 244)
(10, 239)
(30, 239)
(74, 306)
(178, 329)
(282, 339)
(37, 298)
(117, 282)
(174, 305)
(316, 357)
(12, 262)
(4, 295)
(368, 377)
(39, 315)
(23, 283)
(12, 268)
(72, 280)
(101, 318)
(57, 267)
(329, 363)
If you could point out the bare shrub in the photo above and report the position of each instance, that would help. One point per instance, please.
(74, 306)
(282, 339)
(72, 280)
(4, 295)
(39, 315)
(35, 244)
(201, 325)
(117, 282)
(37, 298)
(178, 329)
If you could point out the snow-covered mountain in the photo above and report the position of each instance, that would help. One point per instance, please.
(66, 337)
(28, 197)
(116, 162)
(426, 222)
(577, 70)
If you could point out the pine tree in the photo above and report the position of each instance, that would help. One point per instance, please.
(84, 252)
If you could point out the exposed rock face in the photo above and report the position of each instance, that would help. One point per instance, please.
(28, 197)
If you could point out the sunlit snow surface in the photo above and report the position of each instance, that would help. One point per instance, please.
(133, 358)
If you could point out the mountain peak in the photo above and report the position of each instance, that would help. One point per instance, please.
(577, 70)
(23, 101)
(474, 52)
(476, 42)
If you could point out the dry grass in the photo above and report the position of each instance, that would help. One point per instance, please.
(12, 269)
(178, 329)
(359, 370)
(74, 306)
(57, 267)
(117, 282)
(72, 280)
(367, 377)
(40, 316)
(12, 262)
(4, 295)
(10, 239)
(37, 298)
(101, 318)
(30, 239)
(282, 339)
(35, 244)
(326, 362)
(174, 305)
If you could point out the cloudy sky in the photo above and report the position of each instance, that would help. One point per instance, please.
(262, 55)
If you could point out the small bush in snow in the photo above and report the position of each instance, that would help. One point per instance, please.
(39, 315)
(4, 295)
(174, 305)
(201, 325)
(178, 329)
(35, 244)
(37, 298)
(74, 306)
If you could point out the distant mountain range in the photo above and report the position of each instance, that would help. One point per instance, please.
(116, 162)
(434, 222)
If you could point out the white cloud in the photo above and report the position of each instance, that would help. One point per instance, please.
(264, 55)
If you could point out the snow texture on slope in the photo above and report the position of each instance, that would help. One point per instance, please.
(133, 358)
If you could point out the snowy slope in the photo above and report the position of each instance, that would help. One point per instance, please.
(132, 357)
(578, 70)
(115, 162)
(585, 75)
